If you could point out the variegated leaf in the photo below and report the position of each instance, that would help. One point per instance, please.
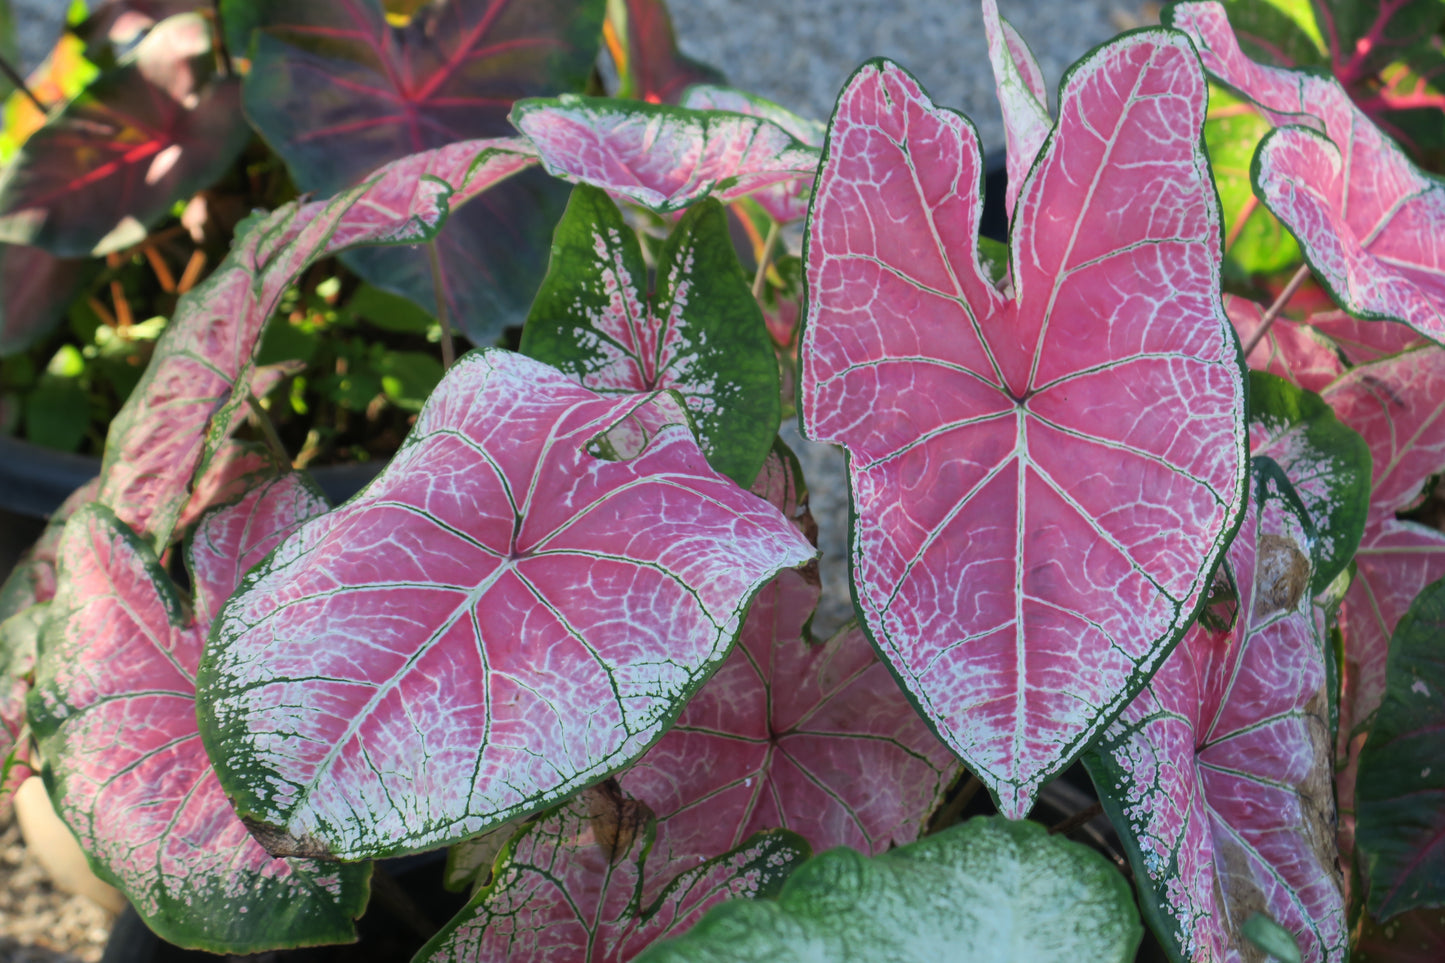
(1218, 775)
(515, 608)
(1294, 352)
(700, 334)
(663, 158)
(114, 711)
(570, 888)
(187, 402)
(1021, 94)
(1041, 482)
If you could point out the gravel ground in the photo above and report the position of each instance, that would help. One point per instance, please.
(799, 57)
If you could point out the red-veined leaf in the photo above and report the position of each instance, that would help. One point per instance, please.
(140, 137)
(38, 286)
(1371, 224)
(501, 618)
(1415, 937)
(1021, 94)
(644, 50)
(699, 334)
(187, 401)
(1400, 792)
(812, 737)
(1218, 775)
(1365, 36)
(1294, 352)
(338, 91)
(1043, 483)
(570, 887)
(661, 157)
(114, 711)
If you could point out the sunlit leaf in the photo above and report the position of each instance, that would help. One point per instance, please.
(989, 889)
(1044, 482)
(1218, 776)
(515, 608)
(114, 711)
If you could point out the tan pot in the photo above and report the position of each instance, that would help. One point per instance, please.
(54, 847)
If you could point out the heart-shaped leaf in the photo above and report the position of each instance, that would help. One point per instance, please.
(338, 91)
(1400, 793)
(115, 714)
(661, 157)
(153, 130)
(38, 286)
(501, 618)
(570, 886)
(1218, 775)
(701, 334)
(1371, 224)
(187, 402)
(989, 889)
(1327, 464)
(644, 50)
(1021, 94)
(812, 737)
(1044, 482)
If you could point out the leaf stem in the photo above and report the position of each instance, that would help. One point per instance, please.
(268, 430)
(954, 808)
(449, 351)
(1076, 820)
(763, 258)
(18, 82)
(1276, 308)
(218, 35)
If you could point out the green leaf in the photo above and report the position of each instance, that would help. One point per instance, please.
(701, 334)
(57, 414)
(1256, 242)
(1326, 461)
(1274, 939)
(989, 889)
(387, 311)
(408, 377)
(1400, 793)
(1280, 32)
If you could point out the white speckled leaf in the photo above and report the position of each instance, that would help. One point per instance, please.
(501, 618)
(662, 157)
(1021, 94)
(569, 888)
(1218, 776)
(1041, 483)
(114, 711)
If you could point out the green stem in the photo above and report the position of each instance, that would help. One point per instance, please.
(268, 430)
(763, 259)
(449, 351)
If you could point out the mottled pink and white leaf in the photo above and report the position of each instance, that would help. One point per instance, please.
(1218, 776)
(1040, 482)
(516, 607)
(1021, 94)
(1294, 352)
(663, 158)
(114, 712)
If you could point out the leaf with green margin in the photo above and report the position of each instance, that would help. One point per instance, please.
(337, 91)
(1327, 462)
(989, 889)
(1400, 792)
(1217, 776)
(1257, 242)
(1280, 32)
(664, 158)
(569, 886)
(114, 713)
(700, 334)
(153, 130)
(379, 685)
(187, 403)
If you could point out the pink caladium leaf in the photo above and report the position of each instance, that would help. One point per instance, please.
(1294, 352)
(1327, 464)
(188, 400)
(113, 161)
(1218, 775)
(114, 712)
(812, 737)
(644, 50)
(661, 157)
(1400, 825)
(699, 334)
(1362, 341)
(1369, 221)
(18, 634)
(525, 515)
(1040, 482)
(38, 287)
(338, 90)
(1021, 94)
(570, 886)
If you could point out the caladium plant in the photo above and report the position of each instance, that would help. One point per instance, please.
(559, 633)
